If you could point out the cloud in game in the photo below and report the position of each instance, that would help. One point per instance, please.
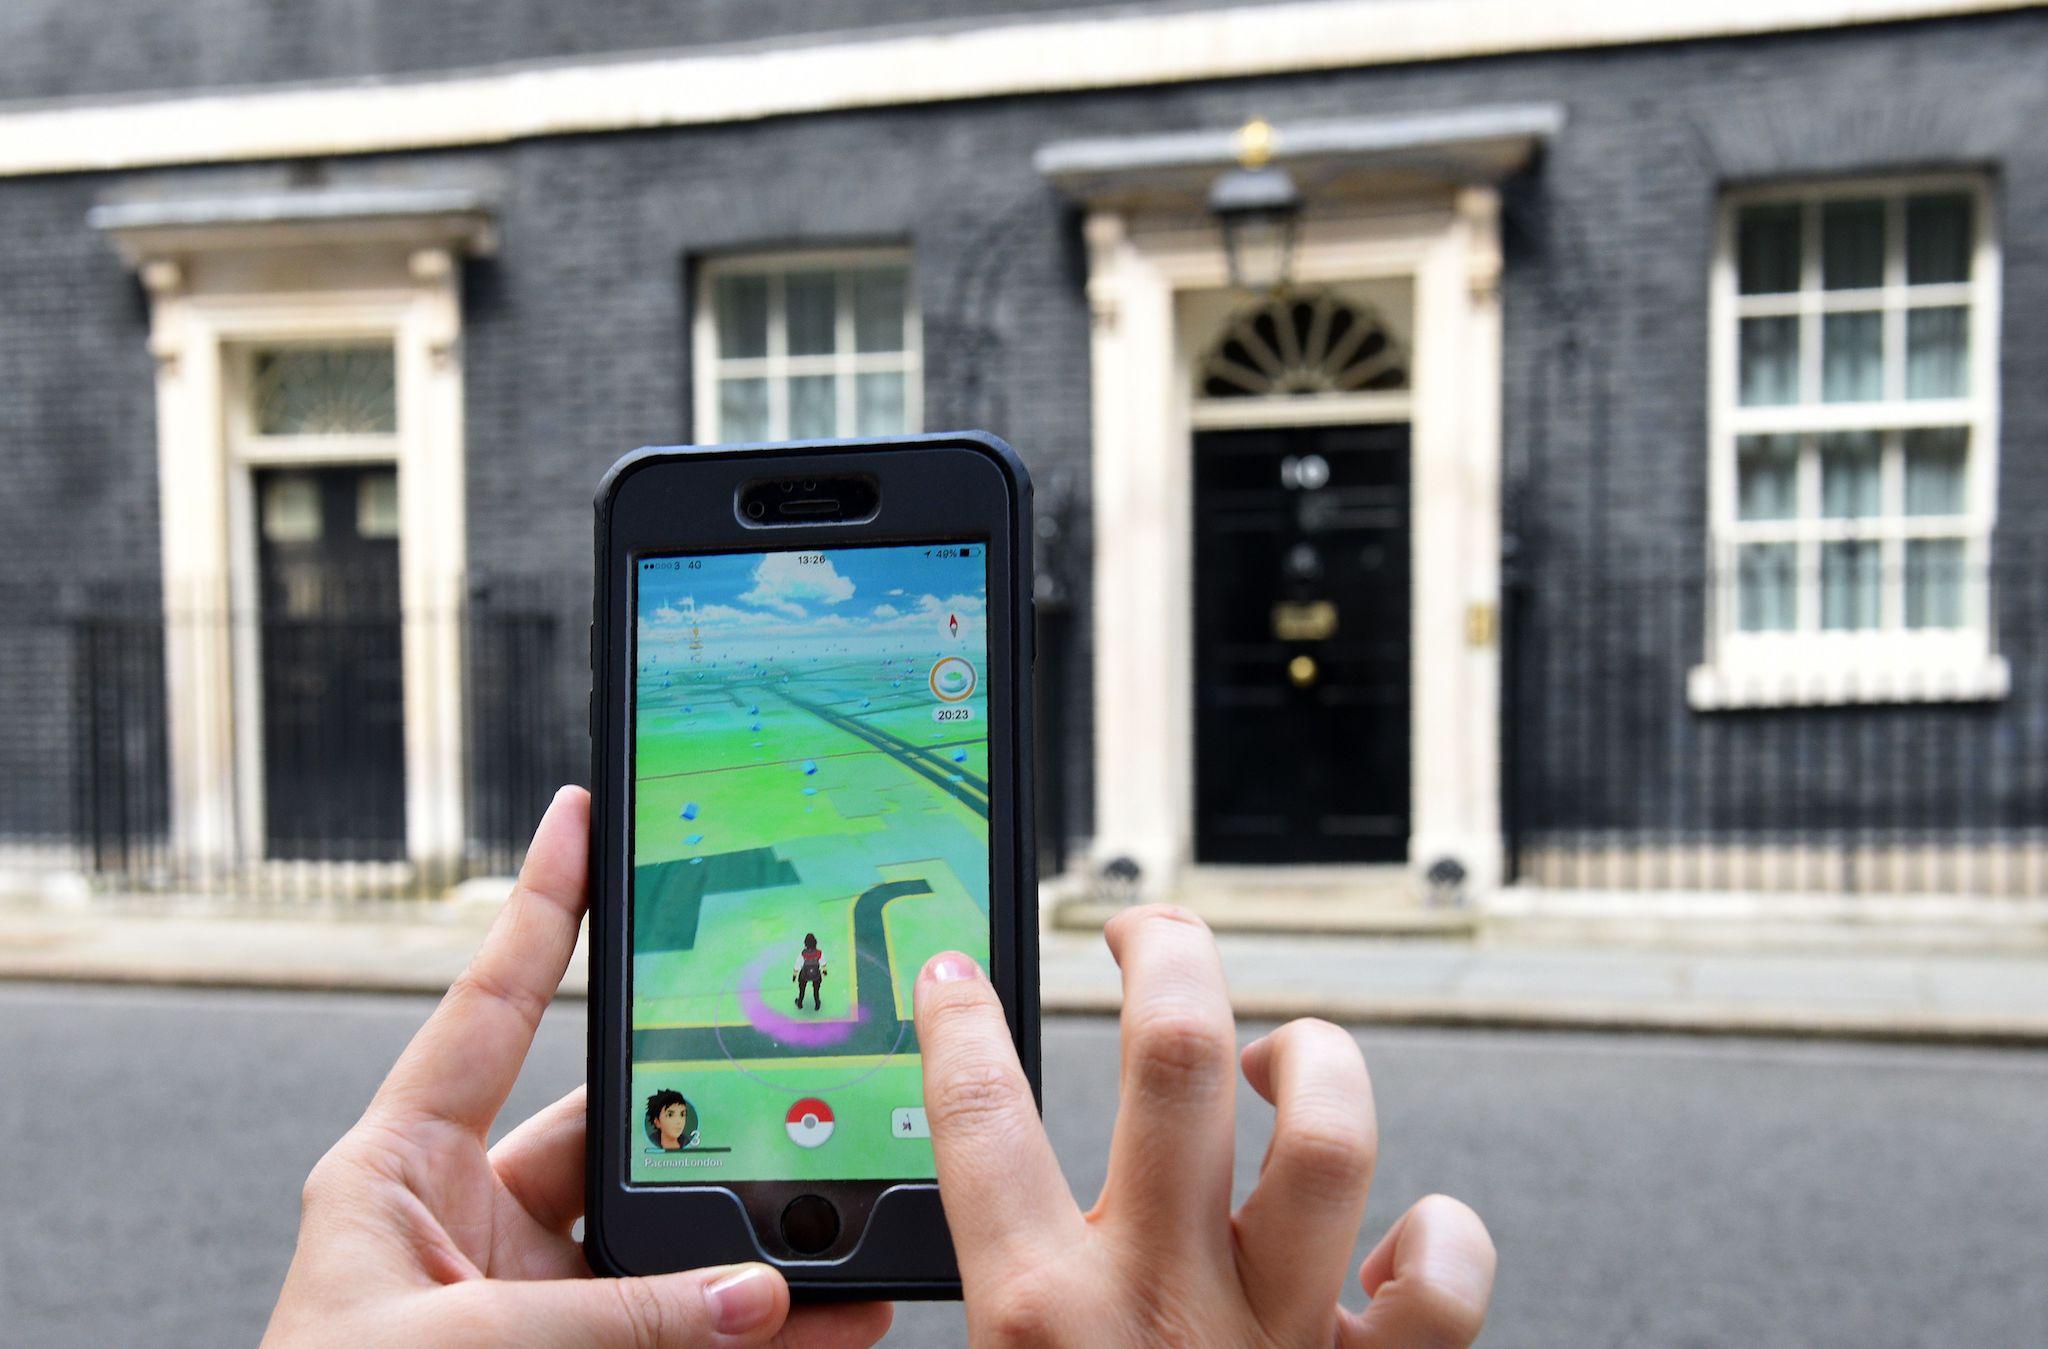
(886, 611)
(786, 585)
(956, 604)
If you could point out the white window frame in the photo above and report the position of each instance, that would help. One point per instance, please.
(778, 367)
(1889, 663)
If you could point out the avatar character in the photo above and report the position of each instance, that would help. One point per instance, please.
(809, 972)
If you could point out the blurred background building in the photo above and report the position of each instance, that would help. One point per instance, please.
(1478, 444)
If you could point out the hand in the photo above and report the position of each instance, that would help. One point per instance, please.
(1161, 1259)
(413, 1233)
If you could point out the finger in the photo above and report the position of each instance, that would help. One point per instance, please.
(1430, 1278)
(541, 1163)
(726, 1306)
(1006, 1200)
(462, 1063)
(851, 1325)
(1171, 1153)
(1296, 1230)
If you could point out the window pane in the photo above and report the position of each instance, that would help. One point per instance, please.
(1767, 478)
(742, 410)
(1767, 249)
(1849, 475)
(290, 509)
(1852, 357)
(1934, 583)
(742, 303)
(377, 504)
(1851, 245)
(1849, 585)
(1766, 584)
(1934, 470)
(813, 407)
(812, 298)
(1770, 361)
(1937, 239)
(879, 401)
(878, 295)
(1937, 352)
(324, 391)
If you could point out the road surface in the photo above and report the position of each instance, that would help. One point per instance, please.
(1644, 1191)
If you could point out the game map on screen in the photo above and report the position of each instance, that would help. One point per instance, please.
(810, 825)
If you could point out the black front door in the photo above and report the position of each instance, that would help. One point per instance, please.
(332, 671)
(1301, 645)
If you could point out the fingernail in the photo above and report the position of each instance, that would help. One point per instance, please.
(741, 1301)
(944, 969)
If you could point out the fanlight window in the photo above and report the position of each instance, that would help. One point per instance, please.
(324, 391)
(1296, 344)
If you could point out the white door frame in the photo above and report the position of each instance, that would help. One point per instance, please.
(1143, 387)
(201, 310)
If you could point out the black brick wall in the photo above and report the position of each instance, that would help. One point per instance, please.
(577, 336)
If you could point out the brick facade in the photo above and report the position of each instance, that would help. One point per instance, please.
(576, 340)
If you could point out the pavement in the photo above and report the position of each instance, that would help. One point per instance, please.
(1642, 1189)
(1988, 997)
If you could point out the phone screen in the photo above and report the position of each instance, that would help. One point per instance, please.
(810, 825)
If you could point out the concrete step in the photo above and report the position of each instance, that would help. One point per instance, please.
(1760, 922)
(1290, 911)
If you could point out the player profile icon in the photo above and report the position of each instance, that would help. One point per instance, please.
(671, 1121)
(809, 972)
(809, 1122)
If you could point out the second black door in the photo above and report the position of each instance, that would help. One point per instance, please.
(1302, 645)
(333, 674)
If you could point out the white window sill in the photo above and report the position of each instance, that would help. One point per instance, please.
(1828, 680)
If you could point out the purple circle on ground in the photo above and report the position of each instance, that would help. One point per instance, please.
(780, 1025)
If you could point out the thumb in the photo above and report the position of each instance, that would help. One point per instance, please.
(730, 1305)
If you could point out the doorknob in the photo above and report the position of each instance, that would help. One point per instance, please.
(1302, 671)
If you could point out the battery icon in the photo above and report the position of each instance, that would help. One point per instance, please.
(967, 552)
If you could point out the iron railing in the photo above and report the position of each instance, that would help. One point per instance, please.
(315, 788)
(1661, 731)
(1871, 720)
(317, 796)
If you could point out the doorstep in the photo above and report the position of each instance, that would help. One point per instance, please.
(1309, 901)
(1927, 924)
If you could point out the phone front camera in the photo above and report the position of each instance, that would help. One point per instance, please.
(756, 509)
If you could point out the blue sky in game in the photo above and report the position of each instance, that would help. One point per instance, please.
(842, 601)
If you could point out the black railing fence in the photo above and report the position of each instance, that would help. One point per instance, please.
(1836, 716)
(1814, 718)
(300, 765)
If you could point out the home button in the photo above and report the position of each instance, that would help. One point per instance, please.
(810, 1224)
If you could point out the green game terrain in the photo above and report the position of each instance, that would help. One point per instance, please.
(820, 797)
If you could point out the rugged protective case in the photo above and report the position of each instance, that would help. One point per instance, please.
(904, 1251)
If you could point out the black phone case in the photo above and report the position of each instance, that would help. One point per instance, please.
(902, 1215)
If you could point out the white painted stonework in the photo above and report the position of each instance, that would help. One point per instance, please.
(1019, 56)
(1150, 288)
(210, 297)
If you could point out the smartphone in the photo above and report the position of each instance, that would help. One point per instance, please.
(810, 724)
